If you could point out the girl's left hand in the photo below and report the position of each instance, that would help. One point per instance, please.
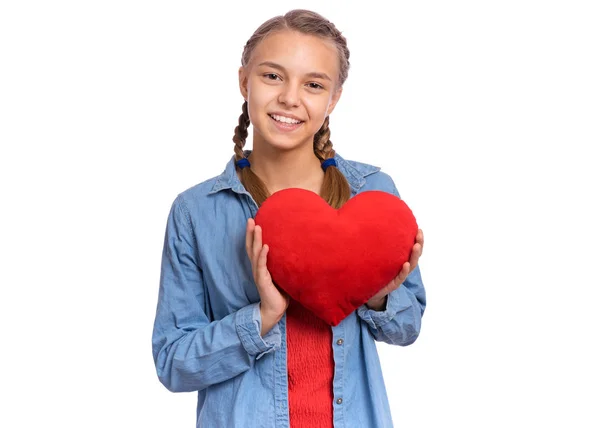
(378, 301)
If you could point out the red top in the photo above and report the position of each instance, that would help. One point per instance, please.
(310, 369)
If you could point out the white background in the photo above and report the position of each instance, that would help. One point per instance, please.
(486, 114)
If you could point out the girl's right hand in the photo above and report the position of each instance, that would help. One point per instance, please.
(273, 303)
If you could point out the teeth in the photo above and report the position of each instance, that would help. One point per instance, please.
(284, 119)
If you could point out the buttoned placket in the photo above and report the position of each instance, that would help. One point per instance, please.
(339, 364)
(338, 375)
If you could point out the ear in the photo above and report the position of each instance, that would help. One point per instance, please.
(243, 79)
(336, 97)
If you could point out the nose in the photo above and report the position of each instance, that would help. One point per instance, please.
(289, 95)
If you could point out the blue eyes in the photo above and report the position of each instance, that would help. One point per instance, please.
(311, 85)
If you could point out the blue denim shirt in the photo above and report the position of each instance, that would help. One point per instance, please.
(206, 335)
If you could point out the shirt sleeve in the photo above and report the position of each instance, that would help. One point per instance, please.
(400, 322)
(190, 350)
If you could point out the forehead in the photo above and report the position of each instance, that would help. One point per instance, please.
(298, 52)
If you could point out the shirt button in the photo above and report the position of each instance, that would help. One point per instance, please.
(340, 341)
(339, 401)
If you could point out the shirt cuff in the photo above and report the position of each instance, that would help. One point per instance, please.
(397, 301)
(248, 325)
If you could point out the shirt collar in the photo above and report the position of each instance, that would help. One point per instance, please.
(355, 173)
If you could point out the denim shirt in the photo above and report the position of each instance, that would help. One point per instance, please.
(206, 335)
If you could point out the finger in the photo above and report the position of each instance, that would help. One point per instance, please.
(415, 255)
(397, 282)
(420, 238)
(261, 263)
(257, 243)
(262, 271)
(403, 274)
(249, 236)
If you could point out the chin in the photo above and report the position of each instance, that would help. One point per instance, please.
(285, 142)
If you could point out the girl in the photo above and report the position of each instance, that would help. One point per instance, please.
(222, 327)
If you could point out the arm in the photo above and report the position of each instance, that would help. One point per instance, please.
(191, 351)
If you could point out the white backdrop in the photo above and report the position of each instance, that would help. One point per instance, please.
(485, 114)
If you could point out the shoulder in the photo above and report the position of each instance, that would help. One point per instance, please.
(362, 168)
(380, 181)
(371, 176)
(198, 191)
(204, 200)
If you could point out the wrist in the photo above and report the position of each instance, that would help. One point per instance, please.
(268, 320)
(377, 305)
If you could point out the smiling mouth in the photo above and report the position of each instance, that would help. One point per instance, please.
(285, 120)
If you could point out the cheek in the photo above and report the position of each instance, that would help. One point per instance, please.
(259, 96)
(255, 105)
(317, 107)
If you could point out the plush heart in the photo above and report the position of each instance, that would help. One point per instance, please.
(332, 261)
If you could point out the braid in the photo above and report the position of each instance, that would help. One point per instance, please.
(322, 144)
(241, 132)
(335, 190)
(253, 184)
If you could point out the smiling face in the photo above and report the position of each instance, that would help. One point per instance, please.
(291, 85)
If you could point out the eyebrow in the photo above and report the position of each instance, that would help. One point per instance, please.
(313, 74)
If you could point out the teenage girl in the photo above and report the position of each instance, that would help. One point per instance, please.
(222, 328)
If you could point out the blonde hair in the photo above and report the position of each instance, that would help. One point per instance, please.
(335, 189)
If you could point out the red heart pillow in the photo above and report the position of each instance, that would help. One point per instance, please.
(332, 261)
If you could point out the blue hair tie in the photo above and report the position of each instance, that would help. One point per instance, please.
(327, 163)
(243, 163)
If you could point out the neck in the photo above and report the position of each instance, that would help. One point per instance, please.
(280, 170)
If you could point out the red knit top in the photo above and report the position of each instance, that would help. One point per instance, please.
(310, 369)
